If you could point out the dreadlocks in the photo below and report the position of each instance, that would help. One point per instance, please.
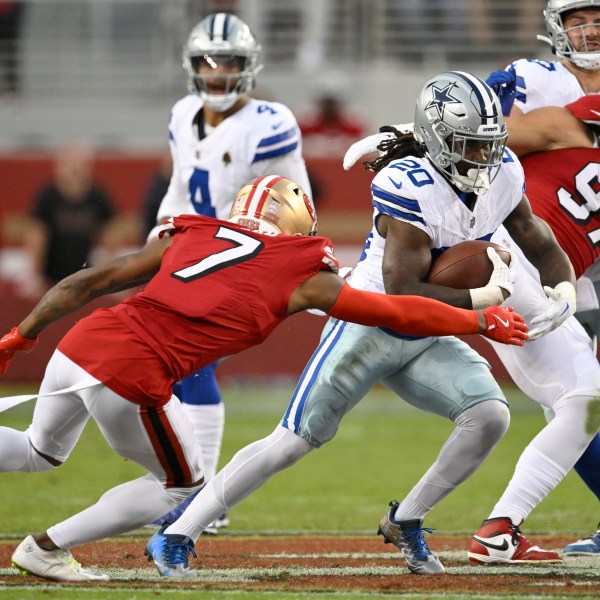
(404, 144)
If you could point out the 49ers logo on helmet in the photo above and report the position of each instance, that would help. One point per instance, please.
(310, 208)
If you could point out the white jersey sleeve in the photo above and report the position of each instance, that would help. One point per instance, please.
(279, 152)
(541, 83)
(211, 165)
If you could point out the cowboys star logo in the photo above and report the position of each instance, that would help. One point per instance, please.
(441, 97)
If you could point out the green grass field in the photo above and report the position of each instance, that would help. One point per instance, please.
(381, 450)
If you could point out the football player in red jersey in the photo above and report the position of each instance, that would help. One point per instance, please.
(212, 289)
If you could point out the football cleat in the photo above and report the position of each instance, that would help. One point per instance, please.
(170, 553)
(408, 536)
(58, 565)
(499, 541)
(587, 547)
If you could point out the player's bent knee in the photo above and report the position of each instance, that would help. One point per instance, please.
(291, 448)
(580, 408)
(178, 495)
(490, 419)
(38, 462)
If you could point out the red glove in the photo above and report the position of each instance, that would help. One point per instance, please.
(504, 325)
(9, 344)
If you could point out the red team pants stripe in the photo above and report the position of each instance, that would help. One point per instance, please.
(167, 447)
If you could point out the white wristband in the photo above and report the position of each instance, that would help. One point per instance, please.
(490, 295)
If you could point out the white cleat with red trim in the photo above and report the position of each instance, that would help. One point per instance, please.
(499, 541)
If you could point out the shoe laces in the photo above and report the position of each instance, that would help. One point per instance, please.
(415, 540)
(518, 537)
(176, 553)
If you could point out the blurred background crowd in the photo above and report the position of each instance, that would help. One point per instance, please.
(86, 87)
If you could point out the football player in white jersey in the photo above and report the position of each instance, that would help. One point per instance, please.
(450, 181)
(573, 28)
(220, 139)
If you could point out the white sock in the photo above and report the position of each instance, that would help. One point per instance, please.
(250, 468)
(209, 423)
(548, 458)
(535, 476)
(203, 510)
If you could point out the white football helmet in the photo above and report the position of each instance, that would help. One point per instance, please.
(558, 36)
(224, 40)
(459, 121)
(274, 205)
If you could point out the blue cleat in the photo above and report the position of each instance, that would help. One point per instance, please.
(588, 547)
(408, 537)
(170, 553)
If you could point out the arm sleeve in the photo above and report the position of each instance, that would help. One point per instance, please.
(410, 315)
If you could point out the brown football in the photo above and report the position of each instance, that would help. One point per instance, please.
(465, 265)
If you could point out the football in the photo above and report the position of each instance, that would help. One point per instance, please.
(465, 265)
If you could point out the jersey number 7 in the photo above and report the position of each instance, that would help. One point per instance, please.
(244, 248)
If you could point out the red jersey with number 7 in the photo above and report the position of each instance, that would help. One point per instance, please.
(220, 289)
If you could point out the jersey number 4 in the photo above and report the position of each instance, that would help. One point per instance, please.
(244, 248)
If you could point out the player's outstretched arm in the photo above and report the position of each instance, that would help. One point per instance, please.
(78, 289)
(411, 315)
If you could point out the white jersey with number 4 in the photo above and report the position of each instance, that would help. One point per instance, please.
(210, 165)
(411, 190)
(544, 83)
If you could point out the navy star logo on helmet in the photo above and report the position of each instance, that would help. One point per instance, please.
(441, 97)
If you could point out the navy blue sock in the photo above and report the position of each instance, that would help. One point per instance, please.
(587, 466)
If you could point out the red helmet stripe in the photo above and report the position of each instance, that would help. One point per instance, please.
(259, 193)
(265, 195)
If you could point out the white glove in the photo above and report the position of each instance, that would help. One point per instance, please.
(503, 278)
(369, 144)
(562, 302)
